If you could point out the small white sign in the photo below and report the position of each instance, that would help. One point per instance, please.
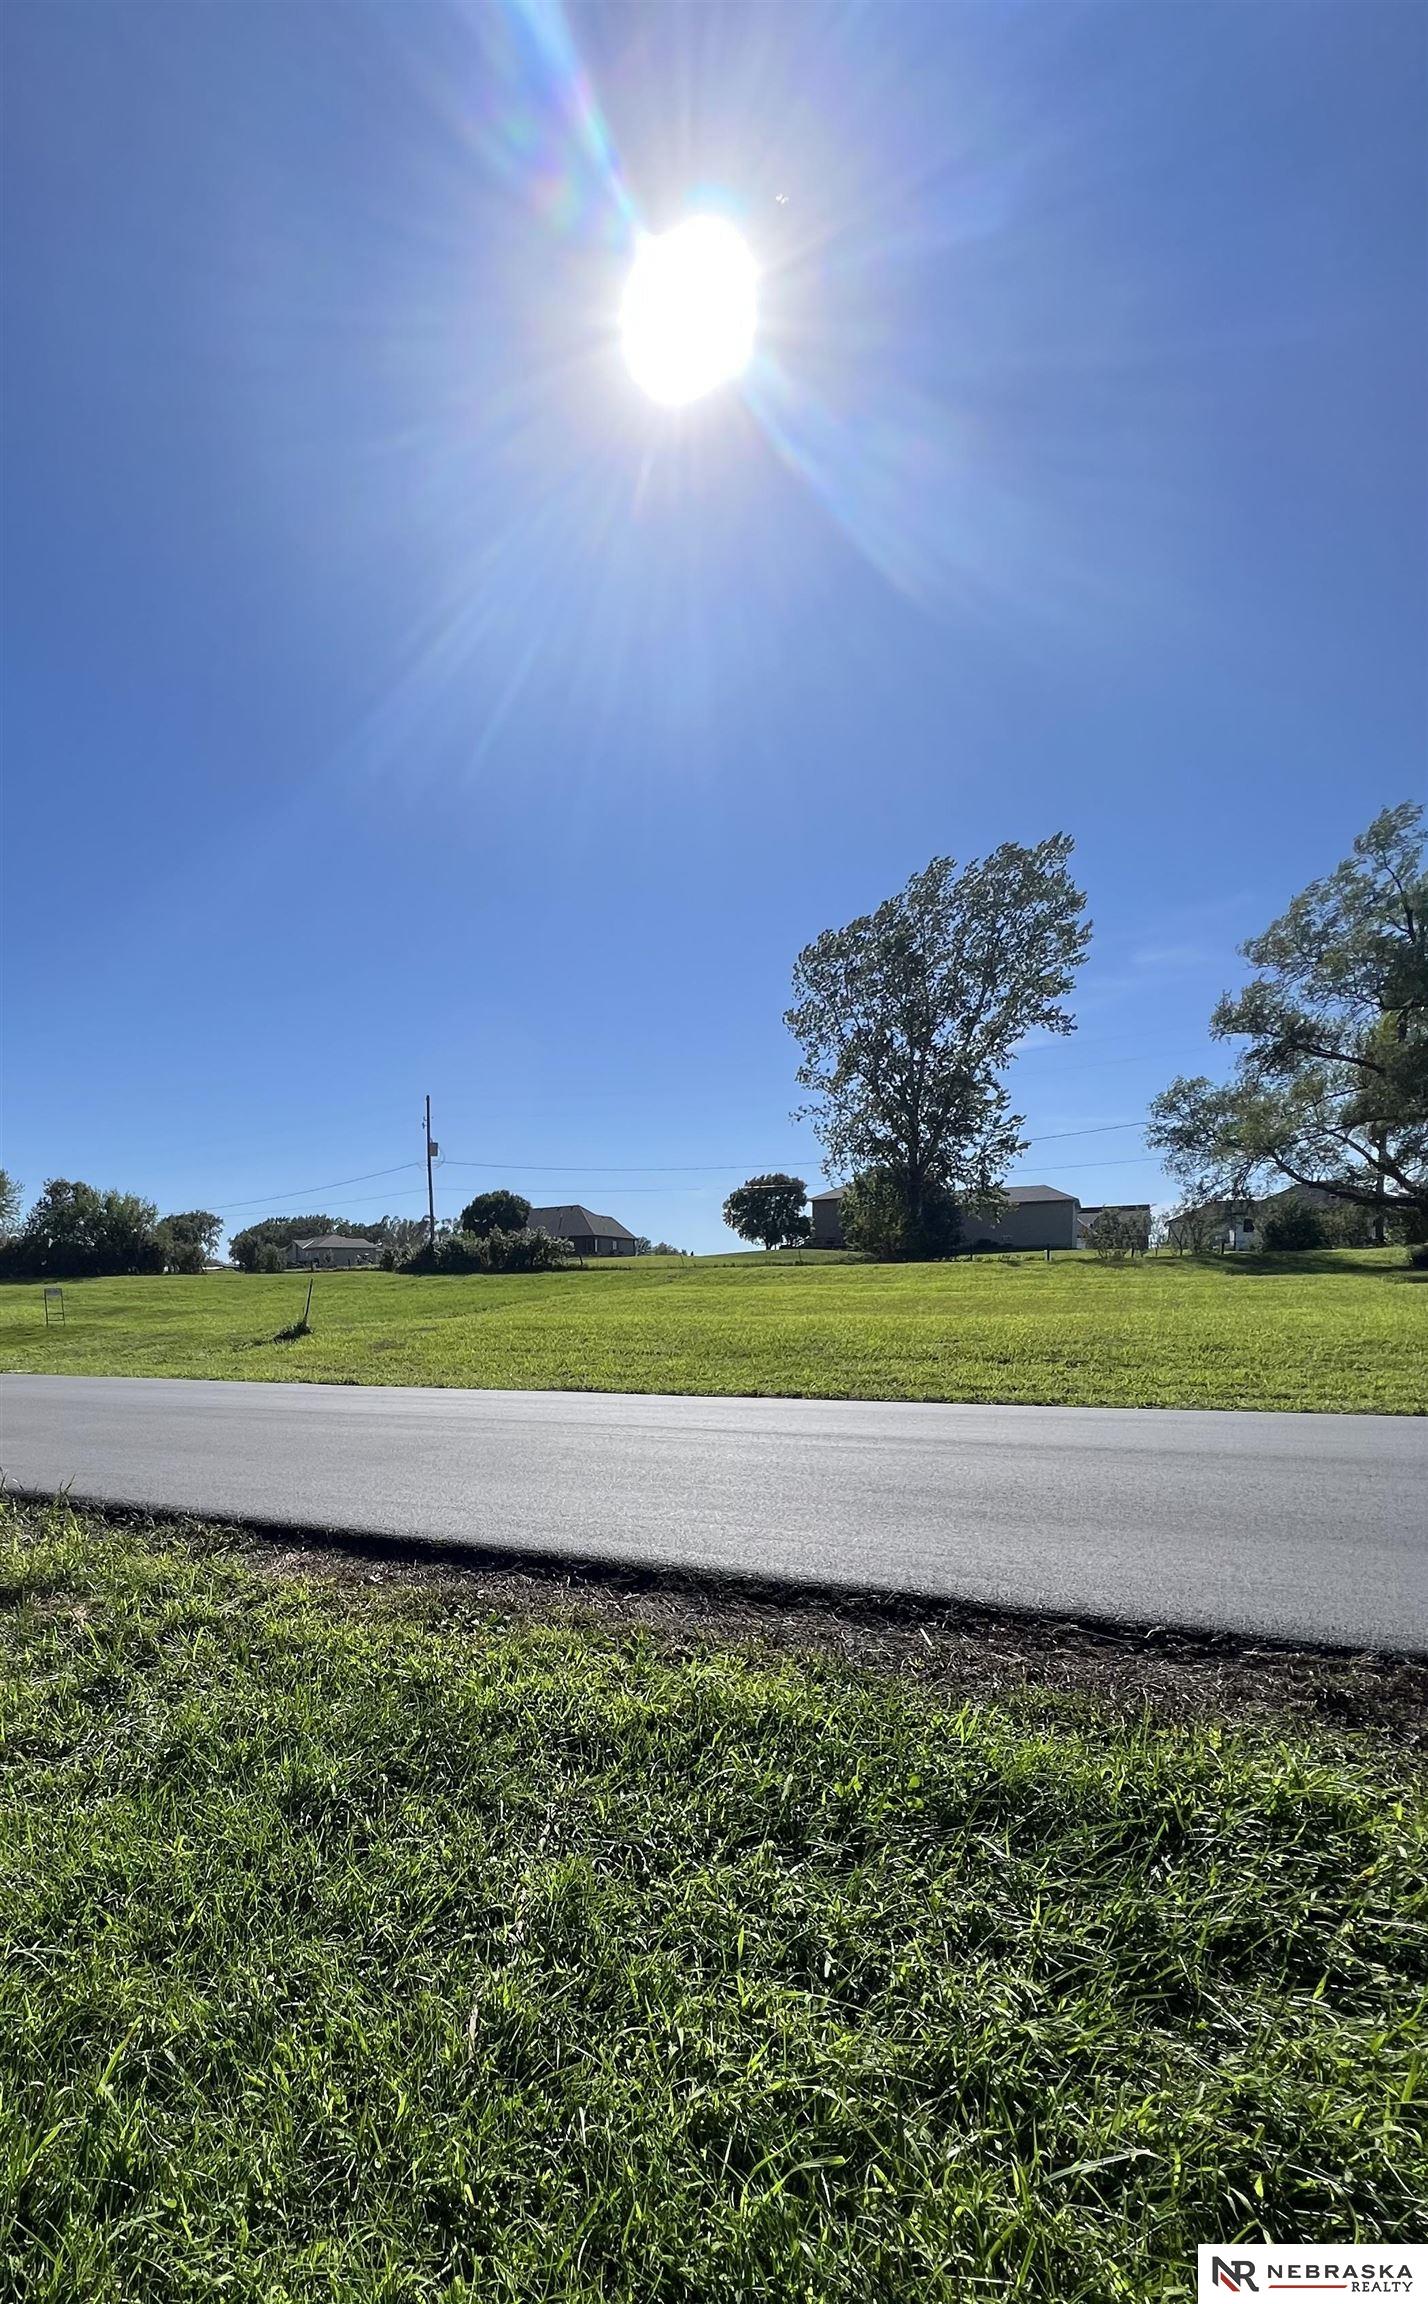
(1301, 2268)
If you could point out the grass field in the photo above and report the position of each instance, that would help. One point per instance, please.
(1347, 1330)
(356, 1947)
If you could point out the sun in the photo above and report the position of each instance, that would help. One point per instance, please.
(687, 320)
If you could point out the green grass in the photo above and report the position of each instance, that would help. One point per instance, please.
(1347, 1330)
(353, 1951)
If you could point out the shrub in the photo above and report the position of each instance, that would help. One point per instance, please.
(1114, 1236)
(876, 1219)
(1293, 1225)
(523, 1251)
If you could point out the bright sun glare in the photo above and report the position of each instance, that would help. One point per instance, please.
(687, 321)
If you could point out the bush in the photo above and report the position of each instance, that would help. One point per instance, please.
(1114, 1236)
(877, 1220)
(523, 1251)
(1291, 1226)
(268, 1257)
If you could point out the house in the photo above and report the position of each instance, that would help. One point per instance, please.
(1214, 1225)
(333, 1252)
(1135, 1214)
(588, 1234)
(1036, 1216)
(1239, 1224)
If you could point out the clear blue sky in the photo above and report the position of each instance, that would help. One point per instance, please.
(395, 700)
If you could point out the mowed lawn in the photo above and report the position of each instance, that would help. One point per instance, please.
(360, 1946)
(1340, 1331)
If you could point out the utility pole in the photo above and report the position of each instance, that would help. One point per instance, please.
(431, 1152)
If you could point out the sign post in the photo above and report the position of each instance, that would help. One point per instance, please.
(54, 1307)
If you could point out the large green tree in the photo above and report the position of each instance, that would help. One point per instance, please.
(495, 1211)
(1331, 1086)
(74, 1232)
(770, 1209)
(189, 1239)
(908, 1017)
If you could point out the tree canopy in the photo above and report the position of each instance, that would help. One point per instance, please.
(908, 1016)
(495, 1211)
(1331, 1088)
(75, 1232)
(189, 1239)
(770, 1209)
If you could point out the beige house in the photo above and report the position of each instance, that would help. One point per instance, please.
(333, 1252)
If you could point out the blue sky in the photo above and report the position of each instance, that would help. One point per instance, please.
(395, 700)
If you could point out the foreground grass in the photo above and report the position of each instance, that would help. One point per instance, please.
(1340, 1331)
(353, 1952)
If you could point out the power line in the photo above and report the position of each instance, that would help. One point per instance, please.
(264, 1199)
(591, 1168)
(714, 1167)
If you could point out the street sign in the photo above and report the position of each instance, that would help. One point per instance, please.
(54, 1307)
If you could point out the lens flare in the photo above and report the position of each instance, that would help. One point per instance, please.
(687, 321)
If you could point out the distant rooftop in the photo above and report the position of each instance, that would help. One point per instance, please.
(574, 1222)
(1020, 1195)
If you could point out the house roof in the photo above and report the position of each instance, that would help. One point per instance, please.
(335, 1240)
(1020, 1195)
(576, 1223)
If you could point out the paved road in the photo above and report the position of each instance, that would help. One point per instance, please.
(1295, 1527)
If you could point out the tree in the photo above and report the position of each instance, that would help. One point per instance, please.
(74, 1232)
(908, 1016)
(876, 1219)
(188, 1240)
(770, 1209)
(397, 1235)
(9, 1203)
(1332, 1088)
(498, 1211)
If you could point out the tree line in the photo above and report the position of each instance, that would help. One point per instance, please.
(76, 1232)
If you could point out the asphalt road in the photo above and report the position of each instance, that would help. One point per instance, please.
(1290, 1527)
